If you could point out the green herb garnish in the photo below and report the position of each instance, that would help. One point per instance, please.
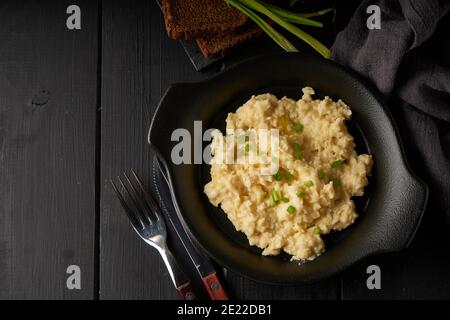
(278, 195)
(337, 164)
(272, 200)
(285, 200)
(300, 194)
(298, 155)
(309, 184)
(317, 231)
(275, 197)
(288, 176)
(336, 182)
(321, 175)
(290, 209)
(247, 148)
(298, 152)
(283, 174)
(297, 127)
(278, 176)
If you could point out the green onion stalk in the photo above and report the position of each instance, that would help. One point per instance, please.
(274, 34)
(285, 19)
(292, 17)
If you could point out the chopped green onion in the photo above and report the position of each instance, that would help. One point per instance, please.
(290, 209)
(336, 182)
(300, 194)
(283, 174)
(278, 195)
(298, 152)
(298, 127)
(274, 34)
(298, 155)
(272, 200)
(309, 184)
(337, 164)
(275, 197)
(247, 148)
(288, 176)
(321, 175)
(286, 200)
(317, 231)
(313, 42)
(278, 176)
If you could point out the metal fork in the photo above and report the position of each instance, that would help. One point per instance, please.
(146, 219)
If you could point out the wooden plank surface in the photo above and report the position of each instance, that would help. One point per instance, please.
(134, 65)
(139, 63)
(48, 80)
(129, 269)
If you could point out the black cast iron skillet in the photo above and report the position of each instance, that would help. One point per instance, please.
(389, 213)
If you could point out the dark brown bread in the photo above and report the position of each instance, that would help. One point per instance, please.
(221, 44)
(192, 19)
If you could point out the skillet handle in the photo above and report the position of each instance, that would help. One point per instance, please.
(415, 202)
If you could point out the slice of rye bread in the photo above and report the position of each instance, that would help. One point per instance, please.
(192, 19)
(219, 45)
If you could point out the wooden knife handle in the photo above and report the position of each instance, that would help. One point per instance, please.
(187, 292)
(214, 287)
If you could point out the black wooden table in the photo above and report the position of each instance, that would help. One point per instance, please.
(75, 107)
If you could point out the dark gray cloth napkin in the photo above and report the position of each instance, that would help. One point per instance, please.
(408, 60)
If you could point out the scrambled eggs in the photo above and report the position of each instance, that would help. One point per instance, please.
(310, 194)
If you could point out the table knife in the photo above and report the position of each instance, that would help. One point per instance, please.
(202, 263)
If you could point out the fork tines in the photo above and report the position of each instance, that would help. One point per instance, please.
(139, 205)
